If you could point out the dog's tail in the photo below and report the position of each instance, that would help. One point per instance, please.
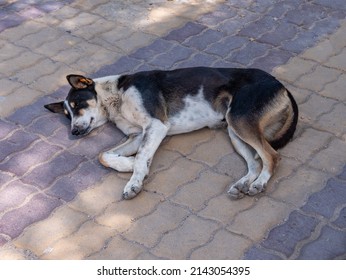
(286, 136)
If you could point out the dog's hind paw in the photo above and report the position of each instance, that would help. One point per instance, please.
(255, 189)
(235, 193)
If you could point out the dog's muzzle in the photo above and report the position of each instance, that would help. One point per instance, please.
(79, 131)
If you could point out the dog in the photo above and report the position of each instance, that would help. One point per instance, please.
(259, 112)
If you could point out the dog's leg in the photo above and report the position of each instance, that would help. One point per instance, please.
(120, 158)
(270, 159)
(241, 187)
(152, 138)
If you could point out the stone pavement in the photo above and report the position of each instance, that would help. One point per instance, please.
(58, 202)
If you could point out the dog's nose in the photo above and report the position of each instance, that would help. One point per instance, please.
(75, 131)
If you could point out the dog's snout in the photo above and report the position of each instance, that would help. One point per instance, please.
(75, 131)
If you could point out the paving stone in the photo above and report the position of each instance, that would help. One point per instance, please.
(338, 4)
(325, 202)
(39, 207)
(14, 194)
(305, 145)
(342, 175)
(340, 222)
(78, 245)
(6, 128)
(102, 139)
(195, 195)
(45, 125)
(121, 215)
(301, 42)
(21, 162)
(257, 28)
(329, 245)
(134, 41)
(27, 114)
(67, 187)
(225, 46)
(167, 182)
(271, 60)
(62, 164)
(157, 47)
(335, 89)
(232, 165)
(306, 15)
(230, 208)
(321, 52)
(23, 60)
(308, 109)
(285, 237)
(18, 98)
(296, 189)
(282, 32)
(200, 59)
(246, 55)
(118, 249)
(163, 159)
(334, 121)
(104, 193)
(329, 159)
(167, 59)
(224, 246)
(212, 151)
(265, 214)
(188, 30)
(18, 141)
(164, 219)
(41, 236)
(193, 233)
(256, 253)
(203, 40)
(294, 69)
(10, 253)
(318, 78)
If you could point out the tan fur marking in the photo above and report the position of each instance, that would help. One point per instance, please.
(92, 103)
(222, 101)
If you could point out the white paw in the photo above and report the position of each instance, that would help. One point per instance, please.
(131, 190)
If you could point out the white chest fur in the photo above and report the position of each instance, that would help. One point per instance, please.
(196, 114)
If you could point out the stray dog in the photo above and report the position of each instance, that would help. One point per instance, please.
(260, 113)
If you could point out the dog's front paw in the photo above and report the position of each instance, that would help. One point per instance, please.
(131, 190)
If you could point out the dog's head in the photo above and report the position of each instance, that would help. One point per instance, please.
(81, 105)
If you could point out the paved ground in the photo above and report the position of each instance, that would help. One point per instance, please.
(58, 202)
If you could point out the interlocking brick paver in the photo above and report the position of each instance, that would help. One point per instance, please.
(298, 227)
(38, 208)
(295, 189)
(329, 158)
(228, 244)
(246, 221)
(165, 218)
(56, 196)
(329, 245)
(120, 216)
(14, 194)
(207, 186)
(78, 245)
(186, 237)
(325, 201)
(62, 223)
(118, 249)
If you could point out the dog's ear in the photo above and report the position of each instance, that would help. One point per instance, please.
(56, 107)
(79, 81)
